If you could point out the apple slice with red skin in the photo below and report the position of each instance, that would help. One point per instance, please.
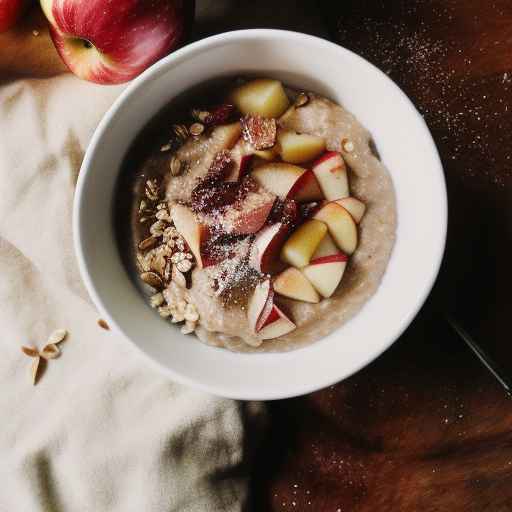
(248, 215)
(190, 229)
(306, 189)
(354, 206)
(292, 283)
(240, 167)
(278, 177)
(325, 273)
(302, 244)
(267, 245)
(277, 324)
(260, 305)
(331, 172)
(111, 42)
(341, 225)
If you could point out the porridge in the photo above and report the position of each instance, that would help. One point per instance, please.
(262, 220)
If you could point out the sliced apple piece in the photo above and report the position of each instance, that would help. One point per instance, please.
(327, 247)
(226, 135)
(299, 248)
(260, 305)
(292, 283)
(242, 159)
(325, 273)
(278, 177)
(267, 245)
(264, 97)
(341, 225)
(190, 229)
(354, 206)
(331, 172)
(277, 324)
(306, 189)
(248, 215)
(297, 148)
(267, 154)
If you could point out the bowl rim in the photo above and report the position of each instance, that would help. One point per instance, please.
(153, 73)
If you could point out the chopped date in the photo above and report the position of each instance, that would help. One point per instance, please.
(259, 131)
(210, 195)
(220, 115)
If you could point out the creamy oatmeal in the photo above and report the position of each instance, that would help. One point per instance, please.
(262, 220)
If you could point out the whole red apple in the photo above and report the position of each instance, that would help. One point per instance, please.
(113, 41)
(10, 11)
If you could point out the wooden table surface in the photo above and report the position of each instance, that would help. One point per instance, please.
(425, 427)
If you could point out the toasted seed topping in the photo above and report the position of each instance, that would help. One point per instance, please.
(147, 243)
(302, 99)
(196, 129)
(176, 166)
(153, 279)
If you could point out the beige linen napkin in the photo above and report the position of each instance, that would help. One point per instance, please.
(100, 431)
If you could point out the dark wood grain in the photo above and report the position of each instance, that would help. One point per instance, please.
(425, 427)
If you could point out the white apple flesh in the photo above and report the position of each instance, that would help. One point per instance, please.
(293, 284)
(278, 177)
(111, 42)
(354, 206)
(341, 225)
(331, 172)
(325, 273)
(276, 325)
(190, 229)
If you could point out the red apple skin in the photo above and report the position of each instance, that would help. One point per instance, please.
(127, 36)
(271, 318)
(10, 12)
(329, 259)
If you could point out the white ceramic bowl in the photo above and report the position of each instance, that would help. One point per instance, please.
(405, 145)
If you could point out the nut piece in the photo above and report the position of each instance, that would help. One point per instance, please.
(191, 313)
(200, 115)
(156, 300)
(50, 351)
(188, 328)
(347, 145)
(147, 243)
(180, 130)
(259, 131)
(157, 229)
(196, 129)
(153, 279)
(302, 99)
(176, 166)
(184, 265)
(178, 277)
(57, 336)
(152, 189)
(30, 351)
(165, 311)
